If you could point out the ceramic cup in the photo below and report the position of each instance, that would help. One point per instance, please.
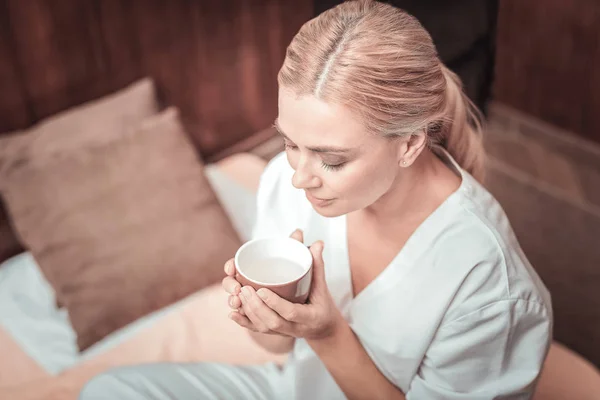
(260, 263)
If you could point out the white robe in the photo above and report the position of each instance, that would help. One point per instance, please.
(458, 314)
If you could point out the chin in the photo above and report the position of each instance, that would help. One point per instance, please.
(330, 211)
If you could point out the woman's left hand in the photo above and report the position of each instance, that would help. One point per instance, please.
(266, 312)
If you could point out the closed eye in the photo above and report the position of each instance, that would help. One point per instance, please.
(332, 167)
(326, 166)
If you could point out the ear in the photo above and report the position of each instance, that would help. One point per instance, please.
(409, 149)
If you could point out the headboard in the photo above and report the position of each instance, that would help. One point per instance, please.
(216, 61)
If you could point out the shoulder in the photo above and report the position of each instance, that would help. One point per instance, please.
(281, 208)
(276, 183)
(492, 270)
(276, 169)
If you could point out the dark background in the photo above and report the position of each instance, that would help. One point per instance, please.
(217, 61)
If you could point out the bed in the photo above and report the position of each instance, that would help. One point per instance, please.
(40, 355)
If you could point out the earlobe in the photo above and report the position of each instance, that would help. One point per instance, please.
(413, 147)
(401, 151)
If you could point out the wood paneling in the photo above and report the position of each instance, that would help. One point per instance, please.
(215, 60)
(58, 52)
(14, 107)
(548, 61)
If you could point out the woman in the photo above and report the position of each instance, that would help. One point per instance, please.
(420, 289)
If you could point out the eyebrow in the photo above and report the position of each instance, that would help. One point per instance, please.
(317, 149)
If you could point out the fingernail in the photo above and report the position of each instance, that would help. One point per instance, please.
(245, 292)
(261, 293)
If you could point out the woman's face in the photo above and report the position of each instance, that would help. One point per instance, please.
(340, 166)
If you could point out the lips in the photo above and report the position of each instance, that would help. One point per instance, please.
(316, 200)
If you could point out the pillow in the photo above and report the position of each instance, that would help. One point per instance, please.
(121, 228)
(95, 121)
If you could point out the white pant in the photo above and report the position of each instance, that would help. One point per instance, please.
(191, 381)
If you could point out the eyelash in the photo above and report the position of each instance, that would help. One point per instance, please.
(325, 166)
(329, 167)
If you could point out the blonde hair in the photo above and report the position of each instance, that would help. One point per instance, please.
(381, 63)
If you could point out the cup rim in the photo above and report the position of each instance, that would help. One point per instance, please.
(270, 239)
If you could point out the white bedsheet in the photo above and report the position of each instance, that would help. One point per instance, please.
(28, 308)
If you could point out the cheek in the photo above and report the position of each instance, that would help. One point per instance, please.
(362, 182)
(366, 182)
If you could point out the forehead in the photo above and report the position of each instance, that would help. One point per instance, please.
(310, 121)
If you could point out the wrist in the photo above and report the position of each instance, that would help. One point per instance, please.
(331, 333)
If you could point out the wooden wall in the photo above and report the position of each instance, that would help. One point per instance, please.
(548, 61)
(216, 60)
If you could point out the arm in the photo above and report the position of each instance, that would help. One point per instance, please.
(496, 351)
(274, 343)
(363, 380)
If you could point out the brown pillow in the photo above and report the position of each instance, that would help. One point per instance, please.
(95, 121)
(121, 228)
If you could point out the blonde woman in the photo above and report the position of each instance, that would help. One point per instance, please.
(420, 289)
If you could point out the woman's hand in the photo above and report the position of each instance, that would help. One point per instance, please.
(265, 312)
(231, 285)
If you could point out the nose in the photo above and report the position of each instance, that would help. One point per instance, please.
(303, 177)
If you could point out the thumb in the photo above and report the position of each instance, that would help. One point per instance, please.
(298, 235)
(318, 265)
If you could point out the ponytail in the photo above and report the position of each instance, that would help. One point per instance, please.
(462, 129)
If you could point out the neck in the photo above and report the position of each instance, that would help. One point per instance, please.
(418, 189)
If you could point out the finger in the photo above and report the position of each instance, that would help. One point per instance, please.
(242, 321)
(258, 324)
(318, 265)
(234, 302)
(273, 321)
(231, 286)
(253, 309)
(298, 235)
(230, 267)
(289, 311)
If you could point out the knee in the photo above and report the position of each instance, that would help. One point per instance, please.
(109, 385)
(93, 388)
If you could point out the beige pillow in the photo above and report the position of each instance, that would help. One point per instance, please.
(121, 228)
(95, 122)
